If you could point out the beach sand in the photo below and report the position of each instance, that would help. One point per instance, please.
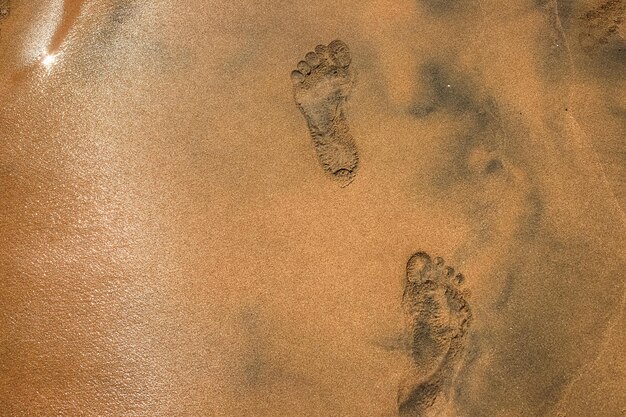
(327, 208)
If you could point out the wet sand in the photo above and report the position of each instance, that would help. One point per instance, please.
(425, 219)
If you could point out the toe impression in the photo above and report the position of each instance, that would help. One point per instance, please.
(296, 77)
(312, 59)
(340, 53)
(304, 68)
(418, 267)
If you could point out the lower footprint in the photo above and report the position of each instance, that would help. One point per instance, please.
(322, 85)
(438, 318)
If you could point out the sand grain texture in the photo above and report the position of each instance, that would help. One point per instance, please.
(191, 228)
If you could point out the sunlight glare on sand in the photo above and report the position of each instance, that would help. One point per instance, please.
(49, 60)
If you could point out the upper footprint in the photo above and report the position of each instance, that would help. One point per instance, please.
(322, 83)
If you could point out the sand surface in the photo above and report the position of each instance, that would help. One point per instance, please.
(425, 219)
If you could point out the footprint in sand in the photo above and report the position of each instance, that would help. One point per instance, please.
(4, 8)
(438, 318)
(322, 85)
